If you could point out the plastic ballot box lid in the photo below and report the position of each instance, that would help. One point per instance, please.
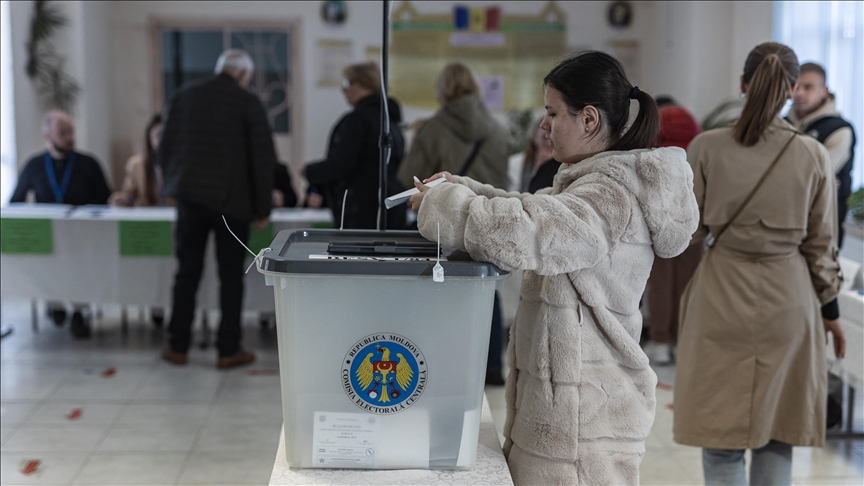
(381, 365)
(359, 252)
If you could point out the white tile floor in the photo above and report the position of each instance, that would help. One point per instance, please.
(151, 423)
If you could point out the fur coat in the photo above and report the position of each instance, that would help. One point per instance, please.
(580, 395)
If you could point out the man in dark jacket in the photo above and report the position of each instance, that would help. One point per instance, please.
(814, 112)
(62, 175)
(352, 161)
(218, 159)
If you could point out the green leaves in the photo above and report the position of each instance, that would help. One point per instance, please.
(45, 66)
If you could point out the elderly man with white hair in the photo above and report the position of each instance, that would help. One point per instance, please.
(62, 175)
(217, 159)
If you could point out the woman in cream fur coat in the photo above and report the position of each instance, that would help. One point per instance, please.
(580, 395)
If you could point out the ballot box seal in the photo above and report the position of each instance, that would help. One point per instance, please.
(384, 373)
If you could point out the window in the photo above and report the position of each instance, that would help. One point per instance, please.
(831, 34)
(189, 55)
(8, 170)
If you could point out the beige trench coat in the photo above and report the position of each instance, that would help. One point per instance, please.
(751, 345)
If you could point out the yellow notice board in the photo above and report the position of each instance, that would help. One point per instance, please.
(511, 53)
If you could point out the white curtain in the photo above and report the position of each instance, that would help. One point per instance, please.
(832, 35)
(8, 172)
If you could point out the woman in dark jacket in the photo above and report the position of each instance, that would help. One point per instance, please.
(353, 157)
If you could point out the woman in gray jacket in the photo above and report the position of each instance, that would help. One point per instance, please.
(461, 138)
(580, 395)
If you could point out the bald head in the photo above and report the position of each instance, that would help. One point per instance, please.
(59, 133)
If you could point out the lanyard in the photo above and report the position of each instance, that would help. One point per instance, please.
(59, 189)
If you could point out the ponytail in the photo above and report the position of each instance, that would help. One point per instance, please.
(597, 79)
(770, 72)
(645, 129)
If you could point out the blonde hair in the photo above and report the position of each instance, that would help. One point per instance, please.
(455, 80)
(770, 72)
(365, 74)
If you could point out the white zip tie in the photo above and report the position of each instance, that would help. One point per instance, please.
(257, 258)
(438, 270)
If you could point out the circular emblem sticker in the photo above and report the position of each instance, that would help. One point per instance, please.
(384, 373)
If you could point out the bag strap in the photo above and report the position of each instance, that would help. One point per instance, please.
(470, 160)
(713, 240)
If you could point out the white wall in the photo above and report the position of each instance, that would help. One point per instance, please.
(84, 43)
(691, 50)
(319, 107)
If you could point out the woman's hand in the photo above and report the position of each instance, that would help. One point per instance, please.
(446, 175)
(417, 199)
(833, 326)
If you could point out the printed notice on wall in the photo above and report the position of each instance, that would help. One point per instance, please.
(492, 90)
(345, 440)
(333, 55)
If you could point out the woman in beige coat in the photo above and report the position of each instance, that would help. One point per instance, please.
(143, 178)
(751, 346)
(580, 394)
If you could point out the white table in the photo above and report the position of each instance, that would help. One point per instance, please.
(86, 266)
(490, 468)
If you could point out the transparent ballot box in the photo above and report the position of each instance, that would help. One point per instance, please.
(381, 367)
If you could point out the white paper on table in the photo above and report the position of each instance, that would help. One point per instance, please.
(345, 440)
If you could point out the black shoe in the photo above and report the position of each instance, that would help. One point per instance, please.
(494, 378)
(157, 317)
(58, 315)
(79, 326)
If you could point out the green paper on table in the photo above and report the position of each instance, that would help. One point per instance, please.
(26, 236)
(145, 238)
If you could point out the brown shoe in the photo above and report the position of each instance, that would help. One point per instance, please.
(238, 359)
(175, 358)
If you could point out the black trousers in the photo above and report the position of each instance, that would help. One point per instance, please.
(194, 224)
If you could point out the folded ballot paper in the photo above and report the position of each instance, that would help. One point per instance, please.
(400, 198)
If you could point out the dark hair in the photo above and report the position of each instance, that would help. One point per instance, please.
(597, 79)
(151, 196)
(664, 100)
(770, 71)
(812, 67)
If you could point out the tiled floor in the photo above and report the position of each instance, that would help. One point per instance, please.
(108, 411)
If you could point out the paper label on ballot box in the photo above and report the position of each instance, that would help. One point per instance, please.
(345, 440)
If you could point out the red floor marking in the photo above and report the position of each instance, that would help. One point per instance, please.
(30, 467)
(109, 372)
(670, 406)
(664, 386)
(262, 372)
(75, 414)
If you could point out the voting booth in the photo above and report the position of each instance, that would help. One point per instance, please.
(381, 366)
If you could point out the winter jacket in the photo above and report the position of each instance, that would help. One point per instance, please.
(446, 141)
(217, 149)
(352, 164)
(580, 396)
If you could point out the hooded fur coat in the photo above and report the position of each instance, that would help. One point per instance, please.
(580, 394)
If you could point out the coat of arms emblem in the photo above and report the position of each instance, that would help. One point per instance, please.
(384, 373)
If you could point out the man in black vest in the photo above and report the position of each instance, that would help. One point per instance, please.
(63, 175)
(815, 114)
(217, 157)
